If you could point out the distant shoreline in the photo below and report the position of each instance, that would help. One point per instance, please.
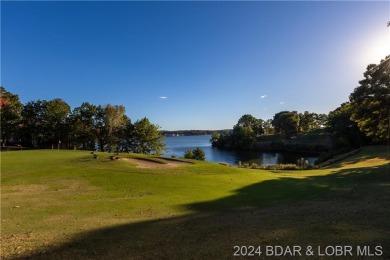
(193, 132)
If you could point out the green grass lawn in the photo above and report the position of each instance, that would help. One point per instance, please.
(68, 205)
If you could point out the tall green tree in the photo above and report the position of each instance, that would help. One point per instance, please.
(145, 137)
(100, 128)
(82, 122)
(11, 115)
(242, 137)
(215, 137)
(246, 131)
(344, 132)
(220, 140)
(126, 136)
(310, 121)
(371, 102)
(45, 122)
(249, 121)
(306, 121)
(55, 116)
(268, 127)
(286, 123)
(114, 122)
(320, 120)
(33, 125)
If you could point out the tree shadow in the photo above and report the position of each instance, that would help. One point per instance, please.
(348, 207)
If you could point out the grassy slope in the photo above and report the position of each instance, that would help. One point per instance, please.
(67, 204)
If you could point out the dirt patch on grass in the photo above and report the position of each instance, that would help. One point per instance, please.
(63, 186)
(149, 164)
(25, 189)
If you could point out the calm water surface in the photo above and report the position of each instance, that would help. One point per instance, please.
(177, 145)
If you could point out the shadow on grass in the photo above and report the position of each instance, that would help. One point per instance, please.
(272, 192)
(348, 207)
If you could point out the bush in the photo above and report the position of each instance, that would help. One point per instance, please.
(197, 154)
(304, 164)
(275, 166)
(280, 167)
(188, 154)
(254, 166)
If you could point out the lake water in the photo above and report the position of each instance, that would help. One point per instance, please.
(177, 145)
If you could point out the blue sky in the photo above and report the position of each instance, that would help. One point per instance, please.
(192, 65)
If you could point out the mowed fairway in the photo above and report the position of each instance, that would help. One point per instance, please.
(68, 205)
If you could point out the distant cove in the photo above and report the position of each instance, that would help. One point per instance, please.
(177, 145)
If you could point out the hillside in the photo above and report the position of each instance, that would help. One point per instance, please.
(66, 205)
(312, 141)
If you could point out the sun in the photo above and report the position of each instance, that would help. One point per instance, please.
(382, 50)
(377, 49)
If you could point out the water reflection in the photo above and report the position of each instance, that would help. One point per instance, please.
(179, 144)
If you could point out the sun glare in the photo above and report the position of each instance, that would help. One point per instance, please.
(377, 49)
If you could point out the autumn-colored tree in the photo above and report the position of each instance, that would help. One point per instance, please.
(11, 115)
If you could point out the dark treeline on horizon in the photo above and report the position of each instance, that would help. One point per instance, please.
(193, 132)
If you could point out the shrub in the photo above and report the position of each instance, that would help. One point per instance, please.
(280, 167)
(188, 154)
(273, 166)
(287, 167)
(197, 154)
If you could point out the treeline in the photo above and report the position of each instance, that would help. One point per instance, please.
(192, 132)
(364, 119)
(52, 124)
(285, 124)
